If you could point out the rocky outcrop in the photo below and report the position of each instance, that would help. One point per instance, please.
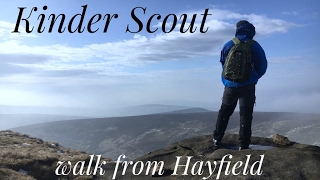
(281, 140)
(265, 160)
(25, 157)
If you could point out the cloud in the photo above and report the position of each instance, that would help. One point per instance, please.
(264, 25)
(293, 66)
(286, 60)
(23, 58)
(113, 73)
(295, 13)
(8, 62)
(112, 57)
(296, 102)
(109, 90)
(160, 47)
(5, 32)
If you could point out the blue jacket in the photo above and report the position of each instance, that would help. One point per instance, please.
(244, 33)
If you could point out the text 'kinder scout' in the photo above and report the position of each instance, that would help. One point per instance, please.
(151, 168)
(76, 22)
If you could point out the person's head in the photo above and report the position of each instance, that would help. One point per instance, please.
(241, 23)
(245, 29)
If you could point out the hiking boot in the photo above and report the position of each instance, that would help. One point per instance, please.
(243, 148)
(216, 142)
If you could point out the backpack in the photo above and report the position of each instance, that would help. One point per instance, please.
(238, 66)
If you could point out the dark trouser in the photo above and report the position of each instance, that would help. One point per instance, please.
(246, 96)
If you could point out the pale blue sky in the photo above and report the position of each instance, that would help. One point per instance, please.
(116, 69)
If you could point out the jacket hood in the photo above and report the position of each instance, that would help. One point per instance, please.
(245, 32)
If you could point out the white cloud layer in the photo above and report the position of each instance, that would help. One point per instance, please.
(142, 49)
(97, 75)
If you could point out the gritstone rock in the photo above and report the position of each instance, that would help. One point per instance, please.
(281, 140)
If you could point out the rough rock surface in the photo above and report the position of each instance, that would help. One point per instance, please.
(281, 140)
(295, 162)
(24, 157)
(27, 158)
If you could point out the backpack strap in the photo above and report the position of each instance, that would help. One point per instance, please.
(250, 42)
(237, 41)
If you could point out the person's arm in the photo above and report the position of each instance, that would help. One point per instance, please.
(260, 60)
(225, 50)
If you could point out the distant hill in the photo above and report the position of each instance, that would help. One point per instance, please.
(189, 110)
(137, 135)
(92, 112)
(23, 115)
(9, 121)
(145, 110)
(48, 110)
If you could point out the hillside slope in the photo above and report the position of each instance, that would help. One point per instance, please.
(9, 121)
(137, 135)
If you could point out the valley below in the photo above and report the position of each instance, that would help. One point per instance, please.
(135, 136)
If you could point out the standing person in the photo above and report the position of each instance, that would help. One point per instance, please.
(237, 86)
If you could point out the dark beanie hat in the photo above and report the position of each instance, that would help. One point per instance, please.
(241, 22)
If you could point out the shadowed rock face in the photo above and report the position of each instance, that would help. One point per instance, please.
(297, 161)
